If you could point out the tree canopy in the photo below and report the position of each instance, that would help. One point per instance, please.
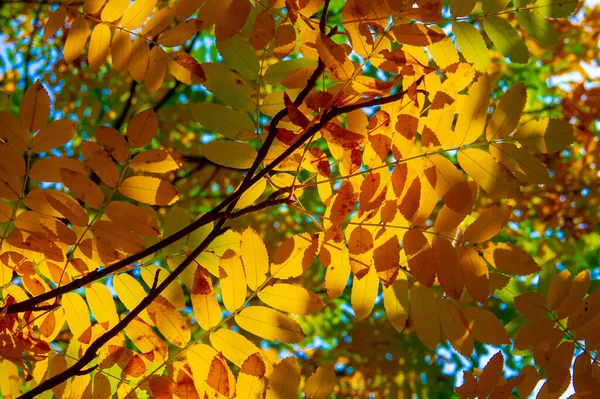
(299, 198)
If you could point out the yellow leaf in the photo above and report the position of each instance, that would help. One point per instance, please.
(338, 270)
(76, 39)
(559, 289)
(206, 308)
(255, 258)
(11, 384)
(471, 45)
(230, 21)
(76, 313)
(53, 135)
(491, 374)
(169, 322)
(157, 69)
(585, 311)
(83, 188)
(102, 304)
(269, 324)
(559, 365)
(531, 305)
(444, 52)
(48, 169)
(187, 8)
(488, 224)
(395, 302)
(159, 21)
(156, 161)
(139, 58)
(263, 30)
(35, 107)
(250, 386)
(335, 58)
(233, 281)
(524, 165)
(185, 68)
(92, 6)
(113, 142)
(420, 257)
(220, 378)
(364, 293)
(57, 20)
(417, 34)
(100, 162)
(120, 49)
(234, 346)
(487, 173)
(475, 272)
(99, 44)
(449, 271)
(294, 256)
(321, 383)
(142, 128)
(424, 315)
(252, 194)
(137, 13)
(180, 33)
(510, 259)
(230, 154)
(149, 190)
(114, 10)
(506, 38)
(507, 113)
(132, 217)
(579, 288)
(545, 135)
(285, 380)
(173, 293)
(58, 364)
(13, 132)
(285, 40)
(454, 328)
(291, 298)
(131, 293)
(448, 183)
(473, 113)
(485, 326)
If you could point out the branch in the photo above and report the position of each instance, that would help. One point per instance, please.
(91, 352)
(215, 213)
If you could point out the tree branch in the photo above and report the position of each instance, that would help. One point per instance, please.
(91, 352)
(215, 213)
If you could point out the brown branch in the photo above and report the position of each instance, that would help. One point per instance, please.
(215, 213)
(91, 352)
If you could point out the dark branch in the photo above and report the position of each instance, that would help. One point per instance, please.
(216, 213)
(91, 352)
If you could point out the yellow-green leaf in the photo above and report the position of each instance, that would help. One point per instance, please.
(223, 120)
(230, 154)
(471, 45)
(507, 113)
(270, 324)
(506, 38)
(545, 135)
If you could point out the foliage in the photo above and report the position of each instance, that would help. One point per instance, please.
(235, 198)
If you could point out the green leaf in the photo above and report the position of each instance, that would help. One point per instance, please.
(223, 120)
(556, 8)
(538, 27)
(239, 56)
(506, 39)
(493, 6)
(471, 45)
